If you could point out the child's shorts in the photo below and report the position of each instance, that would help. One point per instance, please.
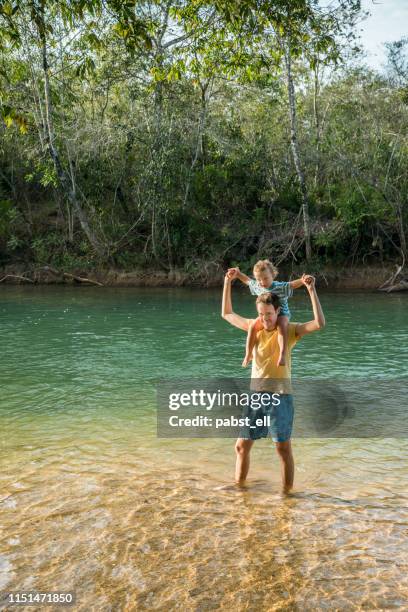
(280, 422)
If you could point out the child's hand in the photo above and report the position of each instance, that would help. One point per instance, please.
(309, 281)
(233, 273)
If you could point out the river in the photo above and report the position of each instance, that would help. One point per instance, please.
(92, 501)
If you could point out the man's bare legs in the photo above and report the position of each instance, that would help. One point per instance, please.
(284, 450)
(253, 329)
(283, 327)
(242, 449)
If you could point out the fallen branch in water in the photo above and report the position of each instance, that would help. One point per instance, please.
(24, 278)
(68, 275)
(78, 279)
(401, 286)
(390, 285)
(391, 280)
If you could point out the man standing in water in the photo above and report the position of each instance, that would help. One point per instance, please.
(268, 376)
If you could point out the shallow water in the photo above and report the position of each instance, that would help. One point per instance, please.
(92, 501)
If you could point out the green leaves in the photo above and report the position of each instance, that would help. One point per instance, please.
(12, 117)
(5, 208)
(8, 9)
(85, 68)
(128, 26)
(176, 71)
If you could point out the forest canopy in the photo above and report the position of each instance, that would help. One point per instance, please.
(177, 133)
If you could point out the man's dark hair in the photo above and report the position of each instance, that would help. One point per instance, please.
(269, 298)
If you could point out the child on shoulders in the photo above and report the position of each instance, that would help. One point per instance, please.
(265, 273)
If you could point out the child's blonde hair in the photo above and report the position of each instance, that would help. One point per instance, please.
(264, 265)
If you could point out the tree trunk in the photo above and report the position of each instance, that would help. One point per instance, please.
(401, 231)
(65, 183)
(294, 142)
(157, 165)
(317, 122)
(199, 141)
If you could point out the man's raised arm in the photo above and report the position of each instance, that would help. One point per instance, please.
(226, 310)
(319, 321)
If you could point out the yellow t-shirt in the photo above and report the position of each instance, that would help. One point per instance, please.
(266, 375)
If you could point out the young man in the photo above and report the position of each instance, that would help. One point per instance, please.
(264, 368)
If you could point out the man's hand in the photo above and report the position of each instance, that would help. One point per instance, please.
(236, 273)
(319, 321)
(226, 309)
(309, 281)
(233, 273)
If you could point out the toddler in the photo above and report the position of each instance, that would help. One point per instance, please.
(265, 273)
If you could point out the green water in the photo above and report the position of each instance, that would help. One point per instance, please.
(85, 361)
(104, 348)
(99, 352)
(79, 454)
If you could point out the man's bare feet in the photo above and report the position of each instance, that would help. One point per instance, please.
(285, 491)
(246, 361)
(241, 484)
(232, 487)
(281, 360)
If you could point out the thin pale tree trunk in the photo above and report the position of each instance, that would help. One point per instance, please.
(294, 143)
(199, 142)
(317, 122)
(65, 183)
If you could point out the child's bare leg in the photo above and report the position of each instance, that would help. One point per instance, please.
(283, 326)
(251, 340)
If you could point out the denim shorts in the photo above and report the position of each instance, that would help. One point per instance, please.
(280, 422)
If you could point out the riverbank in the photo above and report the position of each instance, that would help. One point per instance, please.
(210, 275)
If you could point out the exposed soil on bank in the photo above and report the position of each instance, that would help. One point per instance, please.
(211, 275)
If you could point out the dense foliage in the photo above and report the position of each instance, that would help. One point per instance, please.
(161, 133)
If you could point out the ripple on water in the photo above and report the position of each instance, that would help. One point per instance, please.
(6, 570)
(8, 503)
(173, 533)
